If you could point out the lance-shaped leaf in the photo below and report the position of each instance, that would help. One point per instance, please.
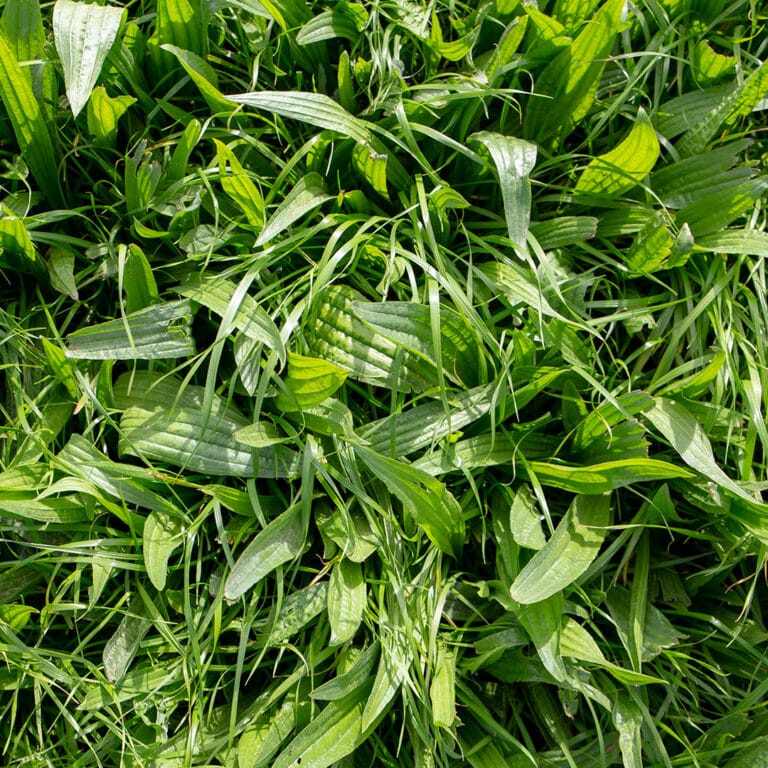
(573, 546)
(83, 33)
(311, 108)
(566, 88)
(308, 194)
(514, 160)
(103, 113)
(310, 381)
(216, 293)
(278, 543)
(29, 123)
(626, 165)
(159, 331)
(427, 500)
(162, 534)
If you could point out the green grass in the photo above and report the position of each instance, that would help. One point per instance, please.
(383, 384)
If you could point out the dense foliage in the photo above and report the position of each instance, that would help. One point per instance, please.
(383, 384)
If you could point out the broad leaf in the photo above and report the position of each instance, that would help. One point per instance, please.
(573, 546)
(84, 34)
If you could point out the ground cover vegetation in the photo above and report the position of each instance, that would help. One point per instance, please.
(383, 383)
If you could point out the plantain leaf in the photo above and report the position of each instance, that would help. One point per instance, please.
(308, 194)
(427, 500)
(625, 166)
(514, 160)
(84, 34)
(29, 123)
(278, 543)
(159, 331)
(310, 381)
(312, 108)
(573, 546)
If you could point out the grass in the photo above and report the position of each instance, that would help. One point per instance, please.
(383, 384)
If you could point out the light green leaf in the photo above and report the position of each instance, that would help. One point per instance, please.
(442, 689)
(297, 611)
(238, 185)
(690, 441)
(124, 642)
(566, 88)
(625, 166)
(410, 325)
(154, 333)
(573, 546)
(332, 735)
(203, 75)
(427, 500)
(346, 600)
(514, 160)
(335, 333)
(524, 520)
(29, 122)
(518, 285)
(217, 293)
(310, 381)
(278, 543)
(84, 34)
(312, 108)
(736, 241)
(308, 194)
(162, 534)
(166, 422)
(103, 113)
(606, 476)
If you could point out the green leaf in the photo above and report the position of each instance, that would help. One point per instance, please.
(625, 166)
(518, 285)
(124, 642)
(308, 193)
(410, 325)
(310, 381)
(166, 422)
(514, 160)
(737, 101)
(103, 113)
(261, 741)
(138, 281)
(29, 123)
(577, 643)
(297, 611)
(606, 476)
(157, 332)
(22, 25)
(130, 484)
(566, 88)
(281, 541)
(524, 521)
(162, 535)
(312, 108)
(736, 241)
(442, 689)
(690, 441)
(331, 735)
(427, 500)
(336, 334)
(84, 34)
(222, 297)
(351, 680)
(204, 77)
(347, 597)
(238, 185)
(182, 24)
(567, 555)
